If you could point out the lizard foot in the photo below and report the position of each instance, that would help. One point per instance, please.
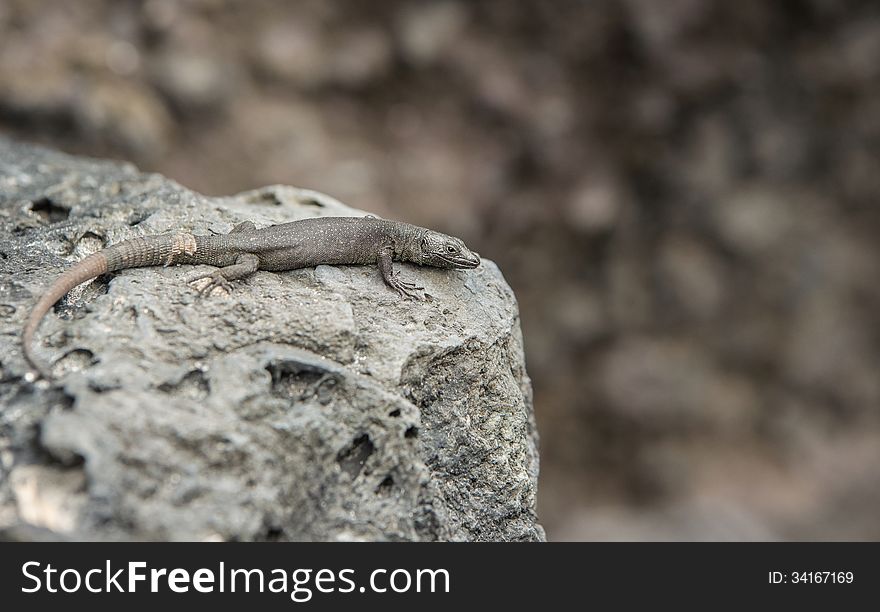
(216, 280)
(406, 289)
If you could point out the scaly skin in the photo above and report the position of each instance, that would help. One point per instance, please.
(243, 251)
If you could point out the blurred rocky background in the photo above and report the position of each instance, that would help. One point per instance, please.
(683, 195)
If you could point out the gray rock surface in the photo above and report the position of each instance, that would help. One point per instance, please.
(311, 404)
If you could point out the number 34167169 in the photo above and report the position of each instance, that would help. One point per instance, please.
(826, 577)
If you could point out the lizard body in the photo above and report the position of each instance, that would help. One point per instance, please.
(246, 249)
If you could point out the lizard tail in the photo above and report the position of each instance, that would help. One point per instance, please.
(92, 266)
(134, 253)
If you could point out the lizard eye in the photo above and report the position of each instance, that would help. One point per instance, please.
(450, 249)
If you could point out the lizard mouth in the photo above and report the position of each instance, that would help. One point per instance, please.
(463, 260)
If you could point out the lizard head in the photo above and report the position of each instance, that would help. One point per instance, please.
(442, 251)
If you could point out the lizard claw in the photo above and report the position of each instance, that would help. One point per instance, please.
(217, 280)
(406, 289)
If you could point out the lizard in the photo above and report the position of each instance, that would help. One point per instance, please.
(246, 249)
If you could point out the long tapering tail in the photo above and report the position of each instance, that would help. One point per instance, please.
(92, 266)
(134, 253)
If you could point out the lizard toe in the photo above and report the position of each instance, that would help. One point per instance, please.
(408, 291)
(217, 282)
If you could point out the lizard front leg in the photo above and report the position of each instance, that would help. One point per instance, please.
(386, 267)
(245, 265)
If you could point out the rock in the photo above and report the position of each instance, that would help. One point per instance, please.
(195, 82)
(701, 520)
(292, 51)
(692, 276)
(307, 405)
(595, 205)
(665, 385)
(428, 30)
(307, 56)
